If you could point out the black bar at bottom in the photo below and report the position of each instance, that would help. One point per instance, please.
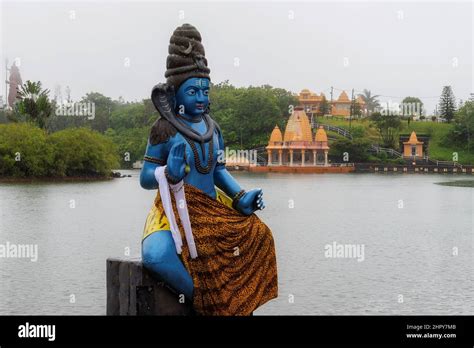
(288, 330)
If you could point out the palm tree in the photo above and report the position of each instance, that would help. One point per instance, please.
(34, 103)
(370, 100)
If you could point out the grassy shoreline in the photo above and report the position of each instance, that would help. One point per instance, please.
(457, 183)
(436, 132)
(54, 179)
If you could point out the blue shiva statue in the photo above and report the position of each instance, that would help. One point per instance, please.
(187, 141)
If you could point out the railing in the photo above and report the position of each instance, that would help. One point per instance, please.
(379, 149)
(443, 163)
(345, 133)
(261, 159)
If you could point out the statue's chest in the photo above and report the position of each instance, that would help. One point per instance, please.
(200, 157)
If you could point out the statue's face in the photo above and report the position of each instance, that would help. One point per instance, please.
(192, 97)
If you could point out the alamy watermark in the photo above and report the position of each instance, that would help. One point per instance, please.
(401, 109)
(21, 251)
(345, 251)
(237, 156)
(28, 330)
(76, 109)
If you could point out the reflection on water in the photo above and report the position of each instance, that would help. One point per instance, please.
(417, 238)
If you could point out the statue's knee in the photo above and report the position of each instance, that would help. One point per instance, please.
(156, 249)
(149, 258)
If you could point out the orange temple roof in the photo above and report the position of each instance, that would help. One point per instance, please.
(343, 97)
(276, 135)
(298, 127)
(413, 139)
(360, 100)
(321, 135)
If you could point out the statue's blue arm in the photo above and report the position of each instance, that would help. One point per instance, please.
(222, 178)
(147, 175)
(251, 201)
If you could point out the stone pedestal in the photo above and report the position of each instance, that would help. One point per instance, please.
(133, 290)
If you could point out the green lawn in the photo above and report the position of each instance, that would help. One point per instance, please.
(436, 132)
(458, 183)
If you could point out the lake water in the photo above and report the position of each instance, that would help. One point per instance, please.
(417, 239)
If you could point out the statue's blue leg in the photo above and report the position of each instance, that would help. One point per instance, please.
(159, 255)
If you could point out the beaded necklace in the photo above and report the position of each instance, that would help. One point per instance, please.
(197, 161)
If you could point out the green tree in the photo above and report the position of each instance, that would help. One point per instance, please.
(34, 103)
(150, 112)
(132, 115)
(131, 144)
(412, 106)
(247, 115)
(104, 106)
(58, 121)
(356, 110)
(284, 100)
(358, 131)
(83, 152)
(24, 151)
(388, 127)
(447, 103)
(462, 133)
(357, 150)
(223, 99)
(28, 151)
(323, 107)
(370, 100)
(255, 119)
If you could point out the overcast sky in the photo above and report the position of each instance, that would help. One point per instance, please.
(116, 48)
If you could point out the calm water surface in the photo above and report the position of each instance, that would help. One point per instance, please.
(417, 238)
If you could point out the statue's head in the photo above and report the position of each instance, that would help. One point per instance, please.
(187, 70)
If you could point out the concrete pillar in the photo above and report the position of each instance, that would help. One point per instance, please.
(314, 157)
(302, 158)
(269, 153)
(133, 290)
(325, 157)
(280, 157)
(291, 158)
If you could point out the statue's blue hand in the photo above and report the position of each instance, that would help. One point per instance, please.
(251, 201)
(176, 162)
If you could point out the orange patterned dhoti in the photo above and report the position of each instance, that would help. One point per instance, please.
(236, 269)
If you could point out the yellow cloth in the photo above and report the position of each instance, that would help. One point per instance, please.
(236, 270)
(157, 221)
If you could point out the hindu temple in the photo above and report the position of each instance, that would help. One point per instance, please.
(413, 147)
(297, 146)
(300, 149)
(311, 103)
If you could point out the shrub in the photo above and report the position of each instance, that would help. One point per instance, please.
(27, 151)
(131, 141)
(357, 149)
(81, 151)
(358, 131)
(24, 151)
